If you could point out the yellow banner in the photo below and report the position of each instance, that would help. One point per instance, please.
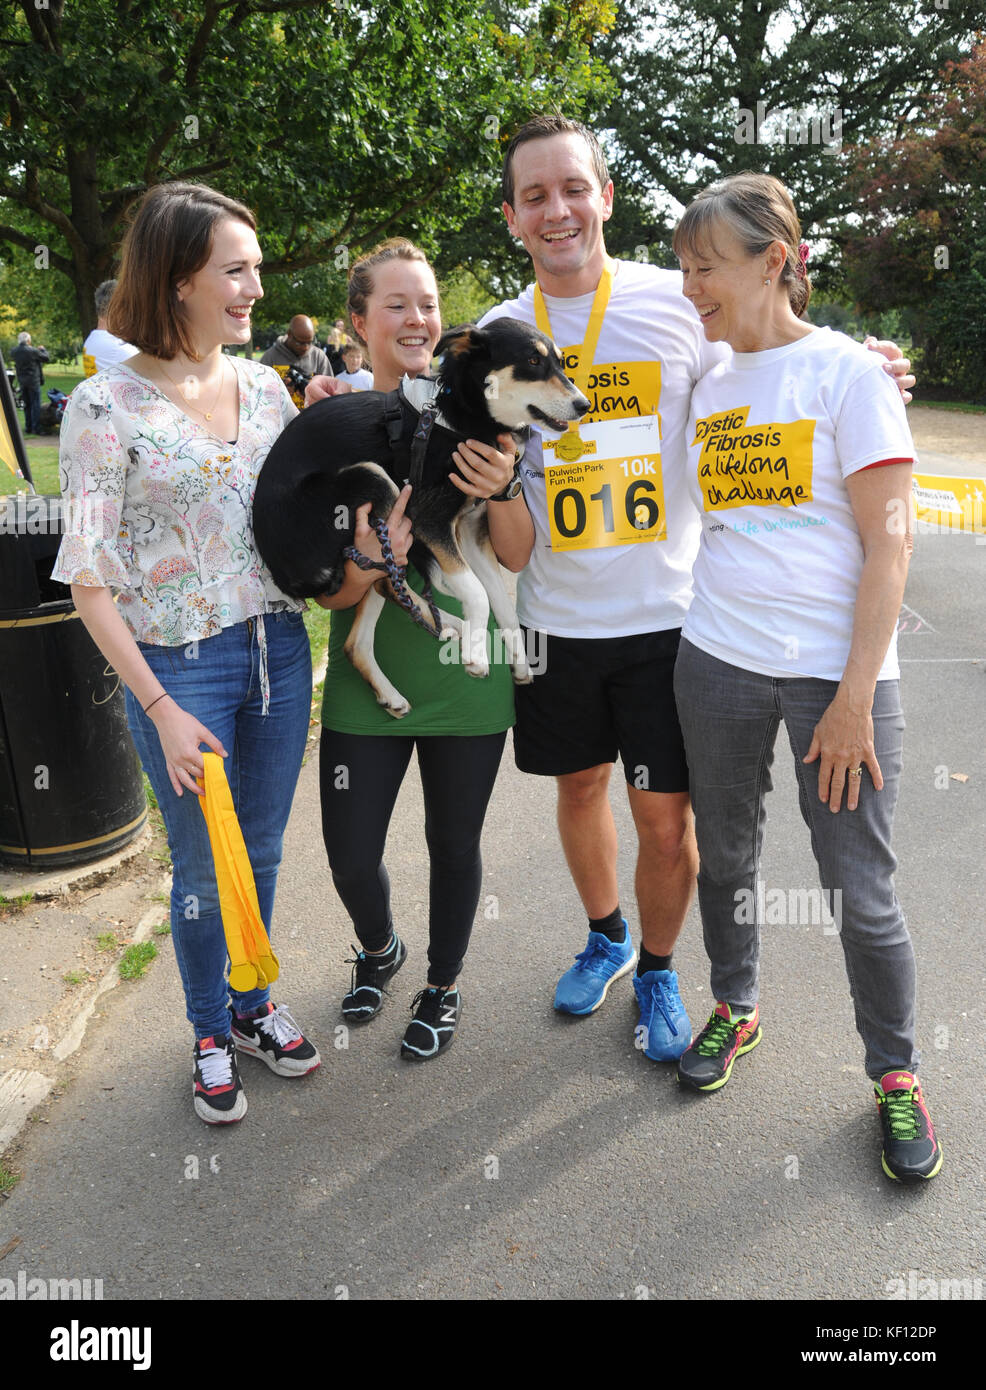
(7, 449)
(951, 504)
(89, 364)
(768, 465)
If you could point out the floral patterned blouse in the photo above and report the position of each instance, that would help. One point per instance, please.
(161, 510)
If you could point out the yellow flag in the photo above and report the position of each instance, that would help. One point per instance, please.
(252, 963)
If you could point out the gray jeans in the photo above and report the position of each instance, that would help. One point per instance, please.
(729, 717)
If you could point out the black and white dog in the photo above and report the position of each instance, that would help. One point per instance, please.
(361, 446)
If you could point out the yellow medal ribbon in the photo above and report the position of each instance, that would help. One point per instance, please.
(252, 962)
(571, 445)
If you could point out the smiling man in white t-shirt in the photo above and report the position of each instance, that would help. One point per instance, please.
(609, 581)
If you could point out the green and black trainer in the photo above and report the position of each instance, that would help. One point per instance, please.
(911, 1152)
(707, 1063)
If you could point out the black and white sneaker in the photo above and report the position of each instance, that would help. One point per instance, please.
(432, 1029)
(370, 973)
(216, 1087)
(272, 1036)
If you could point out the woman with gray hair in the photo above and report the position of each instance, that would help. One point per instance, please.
(800, 464)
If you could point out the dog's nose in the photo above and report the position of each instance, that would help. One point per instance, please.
(580, 405)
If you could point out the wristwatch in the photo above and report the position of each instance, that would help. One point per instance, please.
(513, 489)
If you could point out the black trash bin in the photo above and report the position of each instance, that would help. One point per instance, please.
(70, 781)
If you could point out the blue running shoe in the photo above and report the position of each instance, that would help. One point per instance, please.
(583, 988)
(664, 1031)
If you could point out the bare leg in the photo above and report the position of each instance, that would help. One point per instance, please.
(588, 837)
(667, 865)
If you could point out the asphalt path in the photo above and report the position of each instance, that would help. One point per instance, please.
(544, 1157)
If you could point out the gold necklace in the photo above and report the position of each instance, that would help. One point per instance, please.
(197, 409)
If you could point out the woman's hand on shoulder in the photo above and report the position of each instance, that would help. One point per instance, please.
(896, 366)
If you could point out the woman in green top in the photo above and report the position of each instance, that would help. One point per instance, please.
(457, 724)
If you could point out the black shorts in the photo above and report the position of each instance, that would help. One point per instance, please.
(599, 697)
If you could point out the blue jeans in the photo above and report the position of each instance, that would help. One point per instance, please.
(217, 680)
(729, 717)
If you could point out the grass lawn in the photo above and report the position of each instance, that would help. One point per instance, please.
(966, 407)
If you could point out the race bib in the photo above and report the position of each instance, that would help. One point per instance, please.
(613, 492)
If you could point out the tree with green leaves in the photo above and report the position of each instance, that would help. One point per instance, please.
(707, 88)
(917, 239)
(340, 123)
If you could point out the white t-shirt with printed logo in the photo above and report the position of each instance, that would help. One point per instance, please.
(619, 590)
(772, 437)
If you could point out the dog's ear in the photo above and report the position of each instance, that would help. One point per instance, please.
(461, 341)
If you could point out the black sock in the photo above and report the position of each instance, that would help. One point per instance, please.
(648, 962)
(611, 926)
(381, 957)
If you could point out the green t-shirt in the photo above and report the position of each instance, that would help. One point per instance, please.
(444, 699)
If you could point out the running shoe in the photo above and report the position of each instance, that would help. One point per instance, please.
(910, 1149)
(706, 1065)
(432, 1029)
(271, 1035)
(582, 989)
(216, 1087)
(664, 1031)
(365, 998)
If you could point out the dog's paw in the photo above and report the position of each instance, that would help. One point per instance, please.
(522, 674)
(398, 708)
(477, 668)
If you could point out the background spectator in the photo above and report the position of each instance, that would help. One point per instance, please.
(354, 372)
(336, 339)
(105, 348)
(27, 364)
(296, 348)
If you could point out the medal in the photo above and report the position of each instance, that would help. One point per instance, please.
(571, 445)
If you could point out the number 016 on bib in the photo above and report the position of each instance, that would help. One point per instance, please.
(599, 502)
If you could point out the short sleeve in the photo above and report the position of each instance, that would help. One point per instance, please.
(92, 468)
(871, 426)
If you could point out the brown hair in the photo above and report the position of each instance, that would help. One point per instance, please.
(395, 248)
(170, 238)
(542, 128)
(758, 209)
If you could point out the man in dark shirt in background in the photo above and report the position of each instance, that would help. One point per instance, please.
(27, 364)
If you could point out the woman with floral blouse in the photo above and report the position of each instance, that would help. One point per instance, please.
(160, 456)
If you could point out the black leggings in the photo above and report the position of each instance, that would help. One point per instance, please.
(360, 776)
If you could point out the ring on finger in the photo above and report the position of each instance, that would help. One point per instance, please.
(856, 771)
